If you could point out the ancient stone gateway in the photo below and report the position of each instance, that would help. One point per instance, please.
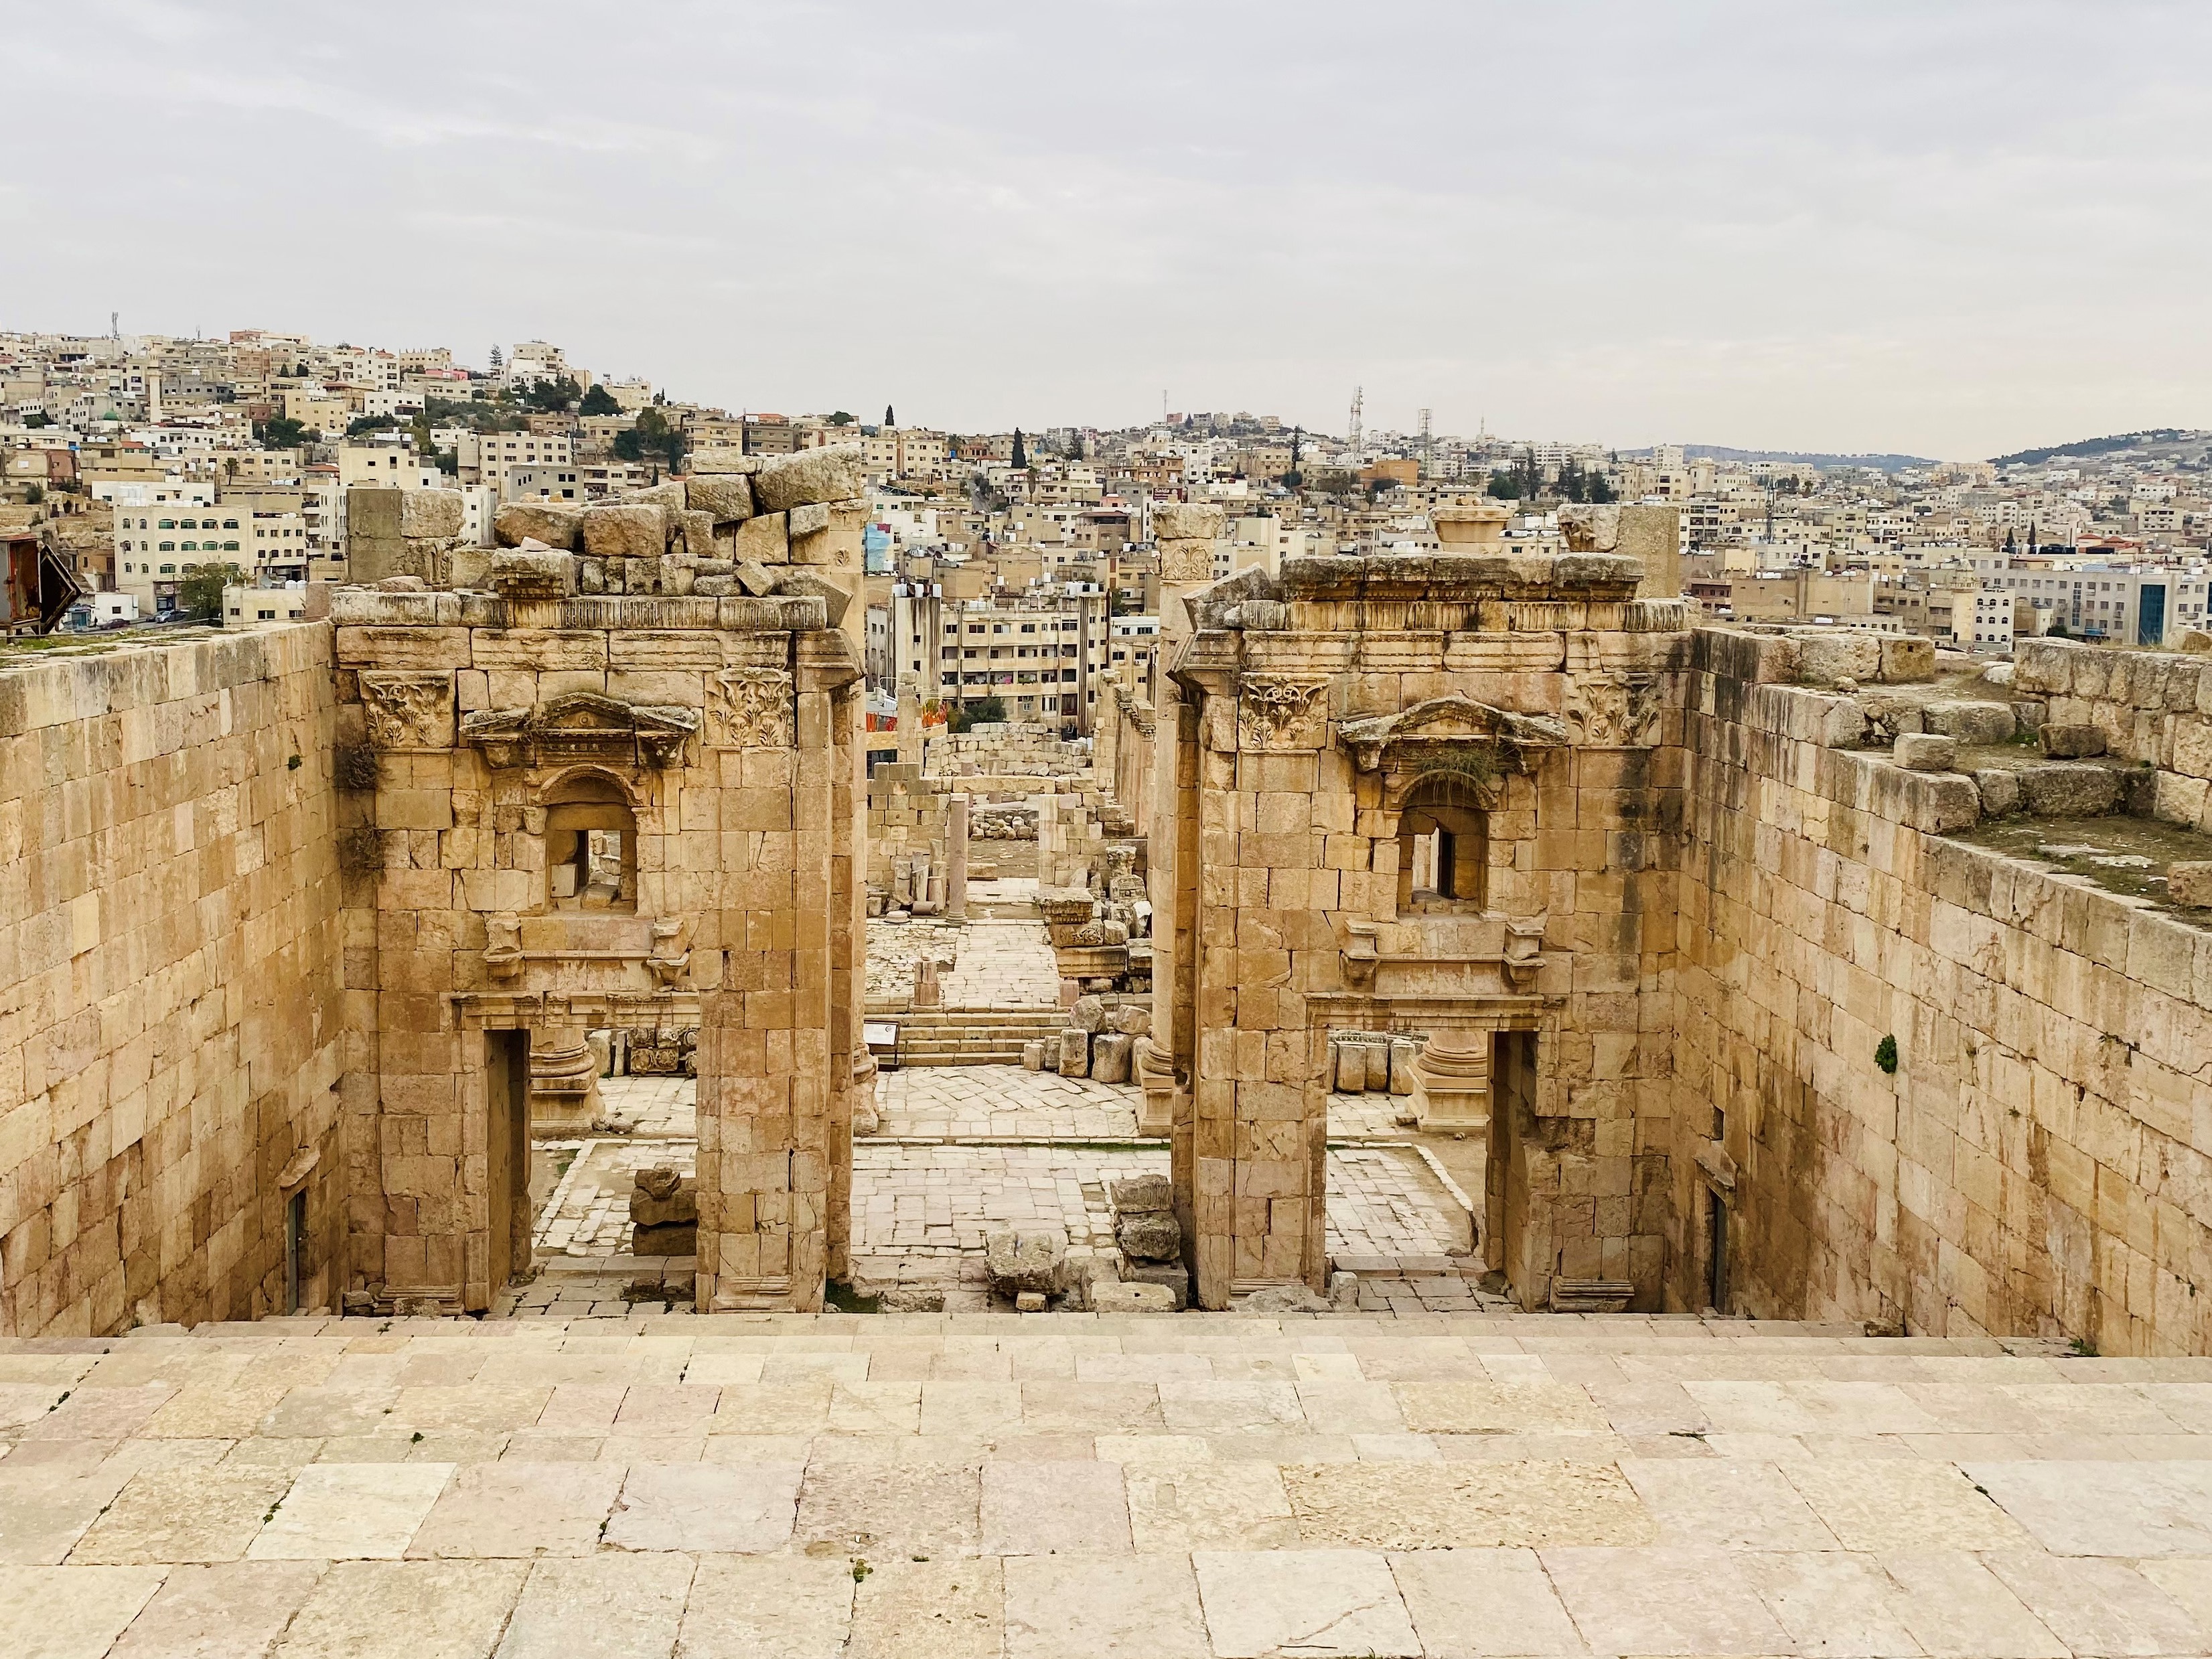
(1756, 1004)
(1421, 794)
(633, 810)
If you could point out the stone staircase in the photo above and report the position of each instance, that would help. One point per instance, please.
(1060, 1486)
(972, 1036)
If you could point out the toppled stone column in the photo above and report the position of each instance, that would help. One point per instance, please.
(956, 858)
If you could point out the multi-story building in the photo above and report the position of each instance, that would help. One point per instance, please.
(484, 455)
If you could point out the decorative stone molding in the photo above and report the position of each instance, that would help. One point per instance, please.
(1360, 955)
(1614, 710)
(751, 709)
(1524, 951)
(582, 725)
(669, 963)
(1275, 713)
(503, 948)
(1439, 734)
(408, 711)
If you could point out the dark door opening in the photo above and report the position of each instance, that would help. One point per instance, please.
(506, 1149)
(1717, 1247)
(296, 1233)
(1506, 1174)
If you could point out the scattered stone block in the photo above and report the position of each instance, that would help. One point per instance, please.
(2190, 882)
(1088, 1014)
(1133, 1297)
(518, 522)
(2072, 742)
(430, 511)
(1973, 724)
(633, 532)
(726, 500)
(1927, 752)
(1109, 1057)
(2195, 641)
(1033, 1055)
(1132, 1020)
(1028, 1302)
(1906, 661)
(1151, 1235)
(2071, 789)
(2000, 791)
(764, 540)
(1075, 1053)
(1136, 1195)
(1029, 1258)
(835, 474)
(1405, 1060)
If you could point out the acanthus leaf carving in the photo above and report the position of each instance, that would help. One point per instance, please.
(1275, 713)
(753, 708)
(407, 711)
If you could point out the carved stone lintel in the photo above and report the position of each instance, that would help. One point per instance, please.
(582, 725)
(405, 711)
(1415, 739)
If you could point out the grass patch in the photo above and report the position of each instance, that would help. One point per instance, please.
(842, 1297)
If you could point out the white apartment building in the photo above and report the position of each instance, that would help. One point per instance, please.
(1982, 619)
(385, 463)
(2124, 604)
(487, 453)
(541, 482)
(263, 607)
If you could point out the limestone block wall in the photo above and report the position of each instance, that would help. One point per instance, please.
(1319, 709)
(1011, 746)
(726, 729)
(170, 1028)
(2153, 707)
(907, 811)
(2040, 1162)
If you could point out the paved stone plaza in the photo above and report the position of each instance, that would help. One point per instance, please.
(965, 1150)
(1067, 1486)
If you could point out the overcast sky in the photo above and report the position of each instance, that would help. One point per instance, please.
(1942, 228)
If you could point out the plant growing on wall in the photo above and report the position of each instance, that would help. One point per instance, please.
(1885, 1054)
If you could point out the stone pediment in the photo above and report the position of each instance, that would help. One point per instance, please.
(581, 726)
(1420, 734)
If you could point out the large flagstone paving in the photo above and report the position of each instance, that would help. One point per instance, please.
(1066, 1486)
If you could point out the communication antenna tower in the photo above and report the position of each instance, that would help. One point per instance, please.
(1358, 440)
(1428, 446)
(114, 324)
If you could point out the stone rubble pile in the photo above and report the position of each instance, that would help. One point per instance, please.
(1151, 1239)
(663, 1213)
(740, 525)
(1099, 1042)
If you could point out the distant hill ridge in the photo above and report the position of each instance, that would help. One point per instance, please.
(2161, 434)
(1806, 458)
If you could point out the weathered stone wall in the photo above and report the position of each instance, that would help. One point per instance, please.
(1014, 747)
(2041, 1159)
(2153, 707)
(170, 1030)
(908, 812)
